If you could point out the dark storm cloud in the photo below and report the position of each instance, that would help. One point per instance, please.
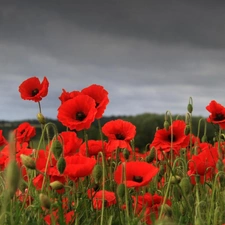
(150, 55)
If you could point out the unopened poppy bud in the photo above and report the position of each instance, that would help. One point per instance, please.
(185, 185)
(12, 177)
(56, 185)
(61, 165)
(187, 130)
(177, 193)
(151, 155)
(166, 125)
(175, 179)
(22, 185)
(57, 148)
(161, 170)
(204, 138)
(190, 108)
(120, 191)
(197, 178)
(126, 154)
(41, 118)
(28, 162)
(219, 165)
(97, 173)
(45, 201)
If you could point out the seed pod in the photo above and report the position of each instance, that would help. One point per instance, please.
(151, 156)
(41, 118)
(57, 148)
(190, 108)
(12, 177)
(121, 191)
(185, 185)
(56, 185)
(166, 125)
(97, 173)
(45, 201)
(28, 162)
(61, 165)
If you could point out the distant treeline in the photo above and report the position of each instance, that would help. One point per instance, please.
(146, 125)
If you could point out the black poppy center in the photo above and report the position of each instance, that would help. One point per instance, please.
(120, 137)
(219, 117)
(96, 104)
(34, 92)
(137, 179)
(171, 136)
(80, 116)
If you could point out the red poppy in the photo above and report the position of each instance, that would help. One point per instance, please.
(77, 113)
(2, 139)
(78, 166)
(24, 132)
(109, 197)
(68, 217)
(138, 174)
(34, 90)
(94, 147)
(67, 95)
(100, 95)
(162, 139)
(217, 115)
(119, 133)
(204, 164)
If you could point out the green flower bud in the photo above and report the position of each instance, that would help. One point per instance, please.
(204, 138)
(126, 154)
(186, 185)
(219, 165)
(41, 118)
(190, 108)
(175, 179)
(61, 165)
(121, 191)
(28, 162)
(57, 148)
(187, 130)
(151, 155)
(97, 173)
(56, 185)
(166, 125)
(45, 201)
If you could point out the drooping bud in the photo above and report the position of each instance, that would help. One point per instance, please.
(185, 185)
(97, 173)
(28, 162)
(151, 155)
(166, 125)
(56, 185)
(57, 148)
(61, 165)
(175, 179)
(162, 170)
(45, 201)
(120, 191)
(126, 154)
(41, 118)
(12, 177)
(190, 108)
(187, 129)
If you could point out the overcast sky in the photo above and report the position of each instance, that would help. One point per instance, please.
(151, 56)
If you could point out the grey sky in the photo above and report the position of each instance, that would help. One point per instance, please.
(150, 55)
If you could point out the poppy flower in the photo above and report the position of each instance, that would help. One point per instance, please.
(109, 197)
(94, 147)
(78, 166)
(162, 139)
(138, 174)
(34, 90)
(2, 139)
(24, 132)
(68, 218)
(217, 115)
(77, 113)
(67, 95)
(100, 95)
(204, 164)
(119, 133)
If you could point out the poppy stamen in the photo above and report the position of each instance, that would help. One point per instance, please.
(137, 179)
(119, 137)
(80, 116)
(34, 92)
(169, 137)
(219, 117)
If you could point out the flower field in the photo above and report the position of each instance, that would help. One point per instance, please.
(178, 179)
